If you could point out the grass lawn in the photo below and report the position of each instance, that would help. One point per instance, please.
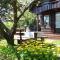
(3, 42)
(57, 42)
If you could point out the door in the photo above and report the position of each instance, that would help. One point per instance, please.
(46, 21)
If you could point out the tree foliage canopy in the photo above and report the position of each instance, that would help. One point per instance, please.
(13, 10)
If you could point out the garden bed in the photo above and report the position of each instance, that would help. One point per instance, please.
(31, 49)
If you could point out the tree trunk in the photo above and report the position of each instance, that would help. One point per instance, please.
(15, 17)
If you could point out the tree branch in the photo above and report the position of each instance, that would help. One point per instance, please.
(17, 19)
(8, 35)
(35, 1)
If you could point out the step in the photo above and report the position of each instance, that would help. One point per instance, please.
(47, 32)
(53, 36)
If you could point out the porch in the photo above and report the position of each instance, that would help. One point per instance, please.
(49, 34)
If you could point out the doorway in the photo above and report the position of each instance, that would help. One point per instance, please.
(46, 21)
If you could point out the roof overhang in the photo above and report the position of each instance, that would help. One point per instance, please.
(47, 6)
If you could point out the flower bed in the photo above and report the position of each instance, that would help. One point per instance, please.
(35, 50)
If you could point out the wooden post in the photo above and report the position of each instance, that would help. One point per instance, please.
(42, 39)
(20, 41)
(40, 20)
(20, 35)
(35, 33)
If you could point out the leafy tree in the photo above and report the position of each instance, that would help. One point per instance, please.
(26, 19)
(11, 10)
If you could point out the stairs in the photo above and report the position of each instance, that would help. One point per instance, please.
(46, 30)
(48, 33)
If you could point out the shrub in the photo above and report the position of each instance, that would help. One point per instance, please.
(6, 53)
(29, 50)
(35, 50)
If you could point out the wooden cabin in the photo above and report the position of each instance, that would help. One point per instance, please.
(48, 15)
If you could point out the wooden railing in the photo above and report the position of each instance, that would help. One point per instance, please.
(47, 6)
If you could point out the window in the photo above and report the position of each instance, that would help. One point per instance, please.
(46, 21)
(57, 20)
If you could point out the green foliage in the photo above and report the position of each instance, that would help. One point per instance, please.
(28, 50)
(26, 19)
(6, 53)
(35, 50)
(8, 24)
(3, 3)
(58, 50)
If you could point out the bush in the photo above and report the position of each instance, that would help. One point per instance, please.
(35, 50)
(6, 53)
(29, 50)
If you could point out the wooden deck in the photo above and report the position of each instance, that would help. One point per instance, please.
(53, 36)
(49, 35)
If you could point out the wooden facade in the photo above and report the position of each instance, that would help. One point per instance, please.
(48, 13)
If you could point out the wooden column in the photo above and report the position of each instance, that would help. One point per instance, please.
(39, 24)
(40, 21)
(52, 21)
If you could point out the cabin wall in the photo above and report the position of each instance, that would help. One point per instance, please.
(53, 20)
